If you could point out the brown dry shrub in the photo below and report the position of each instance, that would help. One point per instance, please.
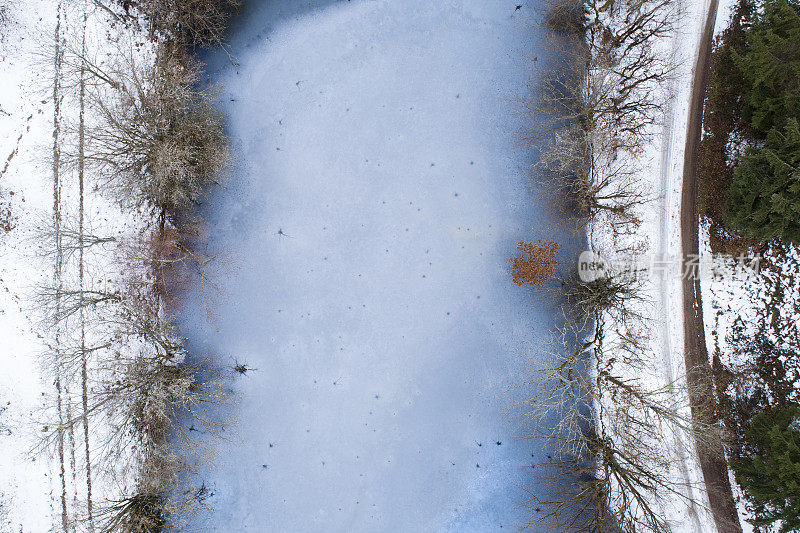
(536, 264)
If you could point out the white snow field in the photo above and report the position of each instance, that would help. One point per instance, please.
(380, 190)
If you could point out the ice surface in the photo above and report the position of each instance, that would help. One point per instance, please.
(381, 187)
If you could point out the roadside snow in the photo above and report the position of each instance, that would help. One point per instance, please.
(380, 193)
(658, 238)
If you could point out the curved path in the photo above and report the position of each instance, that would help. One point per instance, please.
(698, 368)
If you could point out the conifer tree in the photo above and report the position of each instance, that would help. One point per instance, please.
(765, 193)
(770, 473)
(770, 66)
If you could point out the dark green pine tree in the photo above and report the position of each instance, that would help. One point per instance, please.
(770, 65)
(769, 471)
(765, 193)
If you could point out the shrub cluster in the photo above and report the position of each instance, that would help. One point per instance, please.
(189, 22)
(154, 141)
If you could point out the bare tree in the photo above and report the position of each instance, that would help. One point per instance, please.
(60, 303)
(71, 239)
(160, 497)
(594, 180)
(159, 140)
(190, 22)
(145, 400)
(610, 466)
(615, 296)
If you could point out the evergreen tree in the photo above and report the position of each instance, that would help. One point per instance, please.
(770, 65)
(770, 472)
(765, 193)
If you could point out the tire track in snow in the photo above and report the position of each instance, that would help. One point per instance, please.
(73, 462)
(81, 276)
(667, 183)
(57, 61)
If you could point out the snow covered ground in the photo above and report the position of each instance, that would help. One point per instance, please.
(380, 192)
(28, 493)
(380, 189)
(659, 240)
(39, 484)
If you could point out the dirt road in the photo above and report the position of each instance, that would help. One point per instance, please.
(698, 368)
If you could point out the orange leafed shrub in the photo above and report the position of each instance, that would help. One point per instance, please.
(536, 264)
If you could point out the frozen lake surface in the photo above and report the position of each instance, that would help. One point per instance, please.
(380, 190)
